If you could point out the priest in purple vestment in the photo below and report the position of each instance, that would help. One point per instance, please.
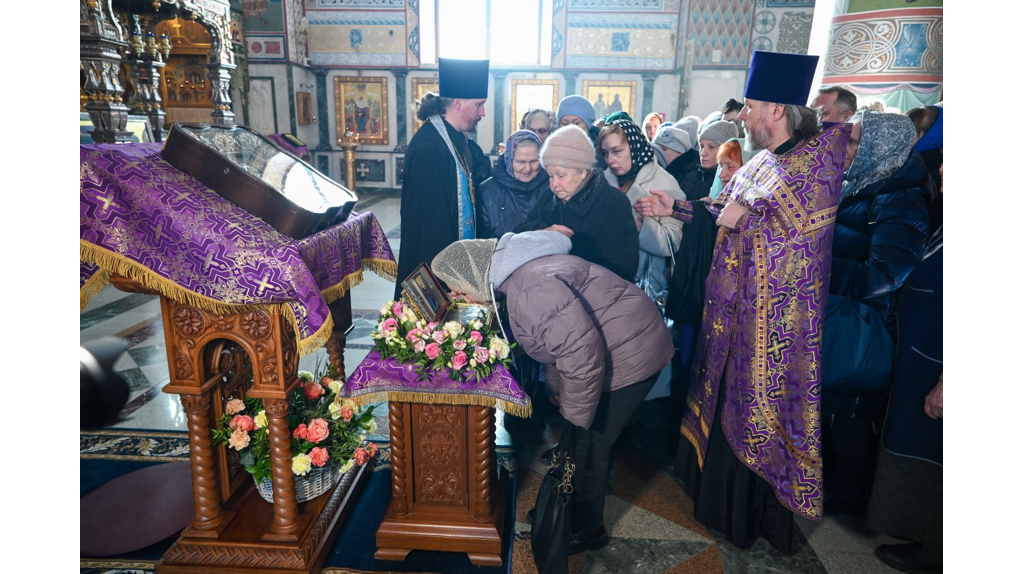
(752, 457)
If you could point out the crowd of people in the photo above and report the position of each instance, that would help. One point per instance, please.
(775, 268)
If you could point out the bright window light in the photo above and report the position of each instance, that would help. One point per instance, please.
(519, 32)
(462, 29)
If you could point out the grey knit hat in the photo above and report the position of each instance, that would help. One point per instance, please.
(689, 125)
(719, 132)
(674, 139)
(568, 147)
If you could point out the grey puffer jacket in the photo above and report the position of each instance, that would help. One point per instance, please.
(596, 331)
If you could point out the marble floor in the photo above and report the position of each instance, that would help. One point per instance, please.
(649, 516)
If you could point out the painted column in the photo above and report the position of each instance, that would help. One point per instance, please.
(499, 104)
(321, 110)
(892, 54)
(648, 96)
(401, 105)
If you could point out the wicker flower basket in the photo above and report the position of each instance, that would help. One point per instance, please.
(314, 483)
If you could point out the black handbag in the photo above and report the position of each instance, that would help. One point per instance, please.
(552, 520)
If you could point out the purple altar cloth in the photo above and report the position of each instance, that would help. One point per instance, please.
(375, 380)
(142, 218)
(279, 139)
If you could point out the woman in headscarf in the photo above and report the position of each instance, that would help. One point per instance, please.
(880, 233)
(651, 124)
(584, 206)
(540, 122)
(632, 169)
(516, 183)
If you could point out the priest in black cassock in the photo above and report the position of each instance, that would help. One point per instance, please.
(438, 197)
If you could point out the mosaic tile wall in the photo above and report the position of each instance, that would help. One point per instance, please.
(722, 30)
(782, 26)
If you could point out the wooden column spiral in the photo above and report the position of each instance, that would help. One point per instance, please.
(286, 510)
(399, 460)
(208, 515)
(483, 461)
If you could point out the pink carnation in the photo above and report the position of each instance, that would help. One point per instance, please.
(319, 456)
(239, 439)
(243, 423)
(418, 346)
(433, 350)
(459, 344)
(397, 308)
(431, 325)
(234, 407)
(300, 432)
(477, 337)
(438, 337)
(326, 381)
(389, 326)
(346, 413)
(482, 355)
(459, 360)
(362, 455)
(373, 449)
(413, 335)
(317, 430)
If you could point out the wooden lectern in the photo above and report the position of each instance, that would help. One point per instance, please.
(446, 492)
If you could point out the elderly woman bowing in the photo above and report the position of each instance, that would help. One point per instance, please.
(584, 207)
(517, 182)
(602, 340)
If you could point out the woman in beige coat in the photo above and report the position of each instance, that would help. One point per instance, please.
(633, 170)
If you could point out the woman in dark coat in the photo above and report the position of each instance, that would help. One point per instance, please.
(881, 232)
(584, 206)
(602, 340)
(516, 183)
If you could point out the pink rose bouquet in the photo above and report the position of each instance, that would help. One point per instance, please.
(326, 430)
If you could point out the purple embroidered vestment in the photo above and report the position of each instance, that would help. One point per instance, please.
(763, 318)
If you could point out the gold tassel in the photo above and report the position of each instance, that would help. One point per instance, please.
(522, 411)
(92, 287)
(338, 290)
(385, 268)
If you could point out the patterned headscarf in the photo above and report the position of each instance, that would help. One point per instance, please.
(513, 141)
(886, 141)
(640, 151)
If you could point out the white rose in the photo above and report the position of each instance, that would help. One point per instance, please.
(386, 308)
(408, 316)
(373, 427)
(335, 409)
(478, 325)
(306, 375)
(499, 347)
(335, 386)
(453, 328)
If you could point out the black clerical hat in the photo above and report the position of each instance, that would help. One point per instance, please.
(465, 79)
(780, 78)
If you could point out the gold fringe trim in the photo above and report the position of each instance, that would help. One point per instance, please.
(382, 267)
(110, 262)
(92, 287)
(521, 411)
(313, 342)
(693, 441)
(385, 268)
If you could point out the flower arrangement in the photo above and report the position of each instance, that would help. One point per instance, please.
(327, 430)
(470, 350)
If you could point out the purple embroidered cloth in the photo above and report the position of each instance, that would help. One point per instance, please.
(376, 380)
(760, 339)
(279, 139)
(142, 218)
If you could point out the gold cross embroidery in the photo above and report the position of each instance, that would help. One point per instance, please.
(107, 202)
(707, 387)
(783, 390)
(182, 195)
(718, 326)
(798, 491)
(159, 231)
(234, 225)
(731, 261)
(753, 442)
(263, 284)
(209, 261)
(776, 350)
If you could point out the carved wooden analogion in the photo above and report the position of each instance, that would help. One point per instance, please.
(233, 529)
(445, 490)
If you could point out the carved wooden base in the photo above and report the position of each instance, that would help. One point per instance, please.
(446, 492)
(243, 547)
(431, 528)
